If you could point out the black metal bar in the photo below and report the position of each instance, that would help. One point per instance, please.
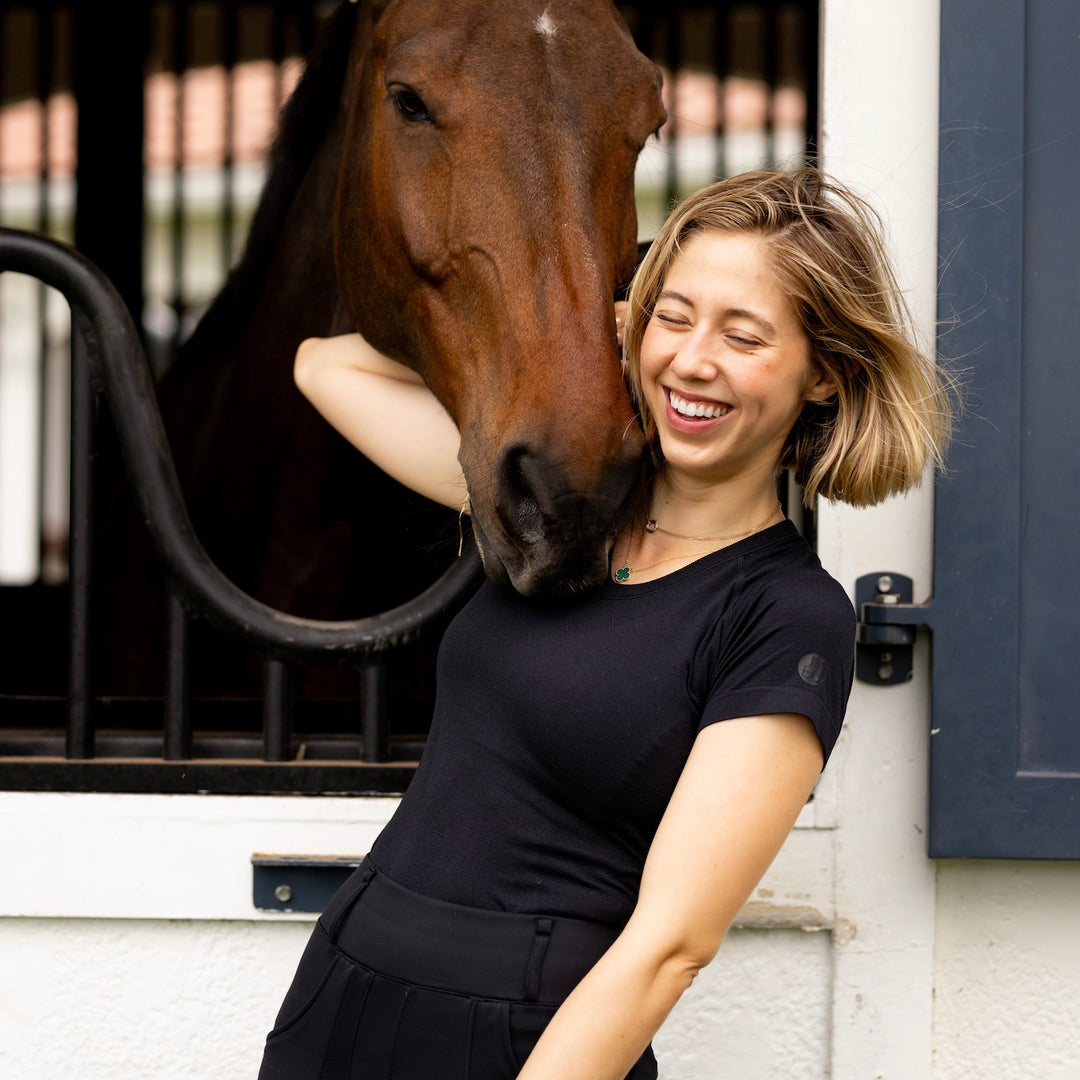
(228, 198)
(178, 218)
(221, 777)
(3, 92)
(720, 66)
(80, 731)
(119, 360)
(129, 743)
(277, 711)
(374, 700)
(770, 17)
(307, 27)
(811, 57)
(674, 62)
(44, 89)
(109, 163)
(177, 719)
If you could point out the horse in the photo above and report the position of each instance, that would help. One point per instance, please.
(455, 180)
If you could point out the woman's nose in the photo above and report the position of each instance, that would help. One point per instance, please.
(696, 359)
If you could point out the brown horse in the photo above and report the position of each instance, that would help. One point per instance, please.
(485, 217)
(470, 163)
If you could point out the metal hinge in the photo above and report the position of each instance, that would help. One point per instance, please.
(887, 624)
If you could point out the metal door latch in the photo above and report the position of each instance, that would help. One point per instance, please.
(887, 624)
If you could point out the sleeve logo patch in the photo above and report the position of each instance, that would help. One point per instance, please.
(813, 669)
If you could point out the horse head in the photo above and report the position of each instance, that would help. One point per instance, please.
(485, 218)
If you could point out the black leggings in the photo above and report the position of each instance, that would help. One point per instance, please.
(396, 986)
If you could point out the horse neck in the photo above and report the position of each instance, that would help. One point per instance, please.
(291, 234)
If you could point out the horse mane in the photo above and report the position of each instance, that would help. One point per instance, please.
(305, 120)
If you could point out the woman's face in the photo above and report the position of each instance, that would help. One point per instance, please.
(725, 365)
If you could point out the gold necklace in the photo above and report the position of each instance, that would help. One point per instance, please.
(623, 572)
(651, 525)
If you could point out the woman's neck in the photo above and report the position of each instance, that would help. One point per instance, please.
(680, 522)
(682, 506)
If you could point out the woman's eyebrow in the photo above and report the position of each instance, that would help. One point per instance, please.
(753, 316)
(728, 313)
(671, 294)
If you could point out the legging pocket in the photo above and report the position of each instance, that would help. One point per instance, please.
(316, 1022)
(525, 1025)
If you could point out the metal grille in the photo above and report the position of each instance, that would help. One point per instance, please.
(165, 144)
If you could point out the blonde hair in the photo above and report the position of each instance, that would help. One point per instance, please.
(892, 413)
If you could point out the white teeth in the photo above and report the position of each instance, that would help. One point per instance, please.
(696, 408)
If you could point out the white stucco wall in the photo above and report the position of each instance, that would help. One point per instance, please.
(109, 999)
(1007, 971)
(118, 999)
(130, 948)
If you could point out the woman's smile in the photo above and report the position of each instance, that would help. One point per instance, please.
(694, 409)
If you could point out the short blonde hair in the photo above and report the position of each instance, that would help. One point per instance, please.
(892, 413)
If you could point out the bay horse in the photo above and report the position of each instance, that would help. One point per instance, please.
(454, 179)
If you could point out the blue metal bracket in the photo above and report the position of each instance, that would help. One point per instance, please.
(298, 883)
(887, 624)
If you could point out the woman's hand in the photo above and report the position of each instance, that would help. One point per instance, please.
(386, 411)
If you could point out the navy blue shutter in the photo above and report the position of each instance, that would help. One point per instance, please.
(1005, 758)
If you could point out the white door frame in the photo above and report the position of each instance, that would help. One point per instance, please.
(879, 114)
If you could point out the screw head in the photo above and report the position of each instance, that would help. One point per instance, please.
(283, 894)
(884, 583)
(884, 672)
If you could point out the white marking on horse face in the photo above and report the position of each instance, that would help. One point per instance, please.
(545, 25)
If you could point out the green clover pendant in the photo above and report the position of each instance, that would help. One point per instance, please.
(622, 573)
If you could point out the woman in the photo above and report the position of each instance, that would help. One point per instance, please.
(607, 779)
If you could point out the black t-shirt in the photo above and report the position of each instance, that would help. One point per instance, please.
(560, 729)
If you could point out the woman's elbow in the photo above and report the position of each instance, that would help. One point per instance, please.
(679, 959)
(678, 970)
(696, 953)
(304, 363)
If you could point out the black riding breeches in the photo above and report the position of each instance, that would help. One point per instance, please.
(396, 986)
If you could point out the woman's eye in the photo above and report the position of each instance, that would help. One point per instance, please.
(410, 106)
(745, 342)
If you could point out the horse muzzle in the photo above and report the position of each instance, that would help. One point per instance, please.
(545, 536)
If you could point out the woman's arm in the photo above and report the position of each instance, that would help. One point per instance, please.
(739, 795)
(384, 409)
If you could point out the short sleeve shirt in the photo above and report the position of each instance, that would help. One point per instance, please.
(561, 728)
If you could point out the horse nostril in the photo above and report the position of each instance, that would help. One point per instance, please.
(517, 484)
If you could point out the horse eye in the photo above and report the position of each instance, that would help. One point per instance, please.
(410, 106)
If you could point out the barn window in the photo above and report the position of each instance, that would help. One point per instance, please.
(150, 159)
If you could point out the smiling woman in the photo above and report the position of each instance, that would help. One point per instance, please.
(608, 776)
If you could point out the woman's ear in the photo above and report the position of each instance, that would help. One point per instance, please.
(822, 386)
